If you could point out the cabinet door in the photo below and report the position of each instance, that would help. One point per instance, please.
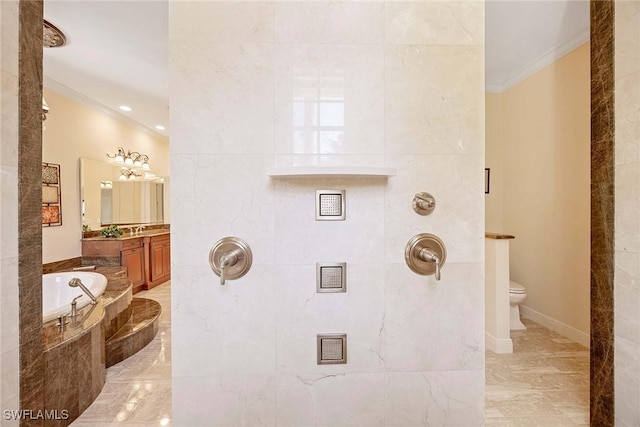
(157, 264)
(133, 259)
(166, 259)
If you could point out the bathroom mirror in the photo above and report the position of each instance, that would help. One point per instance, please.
(105, 199)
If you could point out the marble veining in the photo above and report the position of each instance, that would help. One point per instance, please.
(602, 212)
(32, 371)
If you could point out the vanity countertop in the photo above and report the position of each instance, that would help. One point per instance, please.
(498, 236)
(128, 236)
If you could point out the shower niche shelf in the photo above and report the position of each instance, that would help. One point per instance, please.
(292, 172)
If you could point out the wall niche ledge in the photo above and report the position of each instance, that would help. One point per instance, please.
(293, 172)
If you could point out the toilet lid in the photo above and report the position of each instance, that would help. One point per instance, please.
(516, 288)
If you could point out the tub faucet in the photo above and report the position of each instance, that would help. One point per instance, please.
(75, 282)
(74, 306)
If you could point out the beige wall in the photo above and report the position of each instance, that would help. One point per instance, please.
(493, 159)
(545, 149)
(627, 213)
(74, 131)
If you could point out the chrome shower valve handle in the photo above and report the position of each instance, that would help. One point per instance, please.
(425, 254)
(230, 258)
(429, 255)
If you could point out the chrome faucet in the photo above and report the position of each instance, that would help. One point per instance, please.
(75, 282)
(139, 229)
(74, 304)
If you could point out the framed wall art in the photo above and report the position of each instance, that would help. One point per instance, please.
(51, 198)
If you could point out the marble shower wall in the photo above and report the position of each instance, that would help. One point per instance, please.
(261, 84)
(9, 344)
(627, 219)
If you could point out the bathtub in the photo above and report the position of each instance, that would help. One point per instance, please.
(57, 294)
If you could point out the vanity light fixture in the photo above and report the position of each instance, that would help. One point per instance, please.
(45, 109)
(130, 158)
(130, 174)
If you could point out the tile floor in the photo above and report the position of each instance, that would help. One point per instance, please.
(545, 382)
(138, 389)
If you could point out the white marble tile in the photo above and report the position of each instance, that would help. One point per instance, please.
(627, 206)
(329, 22)
(9, 313)
(331, 400)
(229, 88)
(456, 182)
(9, 212)
(8, 118)
(10, 384)
(434, 325)
(9, 34)
(303, 240)
(627, 382)
(224, 400)
(627, 296)
(327, 99)
(627, 119)
(302, 314)
(434, 99)
(217, 329)
(218, 196)
(9, 112)
(627, 39)
(450, 398)
(222, 21)
(291, 160)
(434, 23)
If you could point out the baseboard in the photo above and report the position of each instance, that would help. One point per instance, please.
(502, 345)
(556, 326)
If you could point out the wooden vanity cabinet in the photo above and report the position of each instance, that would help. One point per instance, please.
(132, 257)
(158, 263)
(147, 258)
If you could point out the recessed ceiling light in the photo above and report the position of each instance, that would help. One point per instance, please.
(125, 108)
(160, 127)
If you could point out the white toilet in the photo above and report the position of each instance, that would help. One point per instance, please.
(517, 295)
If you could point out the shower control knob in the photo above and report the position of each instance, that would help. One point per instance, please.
(423, 203)
(230, 258)
(425, 254)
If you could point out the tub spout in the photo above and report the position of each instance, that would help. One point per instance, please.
(75, 282)
(74, 306)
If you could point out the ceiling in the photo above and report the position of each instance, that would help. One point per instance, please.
(117, 54)
(521, 37)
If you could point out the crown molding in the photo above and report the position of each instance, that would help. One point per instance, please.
(539, 63)
(61, 89)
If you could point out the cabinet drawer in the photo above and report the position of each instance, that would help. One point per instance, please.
(162, 239)
(131, 244)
